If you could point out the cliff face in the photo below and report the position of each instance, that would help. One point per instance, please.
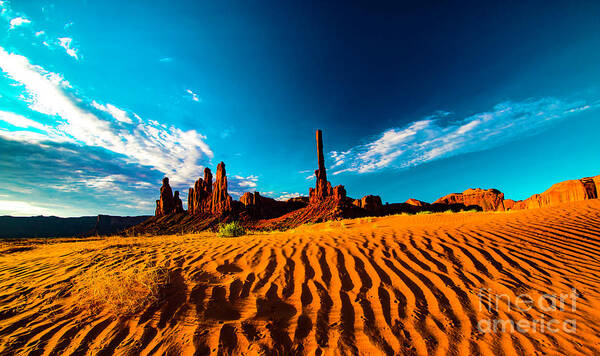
(493, 200)
(487, 200)
(567, 191)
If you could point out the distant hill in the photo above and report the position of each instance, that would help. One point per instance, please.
(52, 226)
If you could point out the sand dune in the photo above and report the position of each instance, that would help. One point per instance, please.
(390, 285)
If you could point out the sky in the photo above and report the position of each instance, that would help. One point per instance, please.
(99, 100)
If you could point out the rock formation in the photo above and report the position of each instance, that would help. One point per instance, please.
(250, 199)
(339, 192)
(567, 191)
(509, 204)
(371, 203)
(165, 205)
(178, 204)
(487, 200)
(416, 202)
(259, 207)
(206, 198)
(209, 203)
(323, 188)
(221, 201)
(200, 196)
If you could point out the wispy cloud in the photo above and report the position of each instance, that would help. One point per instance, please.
(20, 121)
(438, 136)
(245, 182)
(19, 21)
(167, 149)
(166, 60)
(85, 180)
(65, 42)
(118, 114)
(194, 95)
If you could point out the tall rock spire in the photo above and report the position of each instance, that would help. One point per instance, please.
(323, 188)
(321, 173)
(221, 201)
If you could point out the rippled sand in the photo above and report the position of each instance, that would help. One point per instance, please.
(391, 285)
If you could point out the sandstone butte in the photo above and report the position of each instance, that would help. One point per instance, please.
(209, 203)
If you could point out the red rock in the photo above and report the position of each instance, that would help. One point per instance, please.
(221, 201)
(371, 203)
(339, 193)
(178, 204)
(200, 197)
(191, 200)
(259, 207)
(415, 202)
(165, 205)
(250, 199)
(509, 204)
(487, 200)
(567, 191)
(209, 198)
(323, 188)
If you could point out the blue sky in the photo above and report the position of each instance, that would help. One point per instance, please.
(100, 100)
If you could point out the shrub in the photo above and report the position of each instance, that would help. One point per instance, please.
(121, 292)
(231, 229)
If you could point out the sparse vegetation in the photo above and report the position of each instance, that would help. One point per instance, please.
(232, 229)
(470, 211)
(121, 292)
(424, 212)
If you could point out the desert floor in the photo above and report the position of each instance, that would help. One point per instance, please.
(391, 285)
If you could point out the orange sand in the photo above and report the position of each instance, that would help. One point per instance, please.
(396, 285)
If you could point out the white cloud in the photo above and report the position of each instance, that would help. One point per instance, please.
(194, 95)
(430, 139)
(166, 60)
(107, 183)
(286, 196)
(118, 114)
(39, 33)
(245, 182)
(65, 42)
(21, 208)
(165, 148)
(18, 21)
(20, 121)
